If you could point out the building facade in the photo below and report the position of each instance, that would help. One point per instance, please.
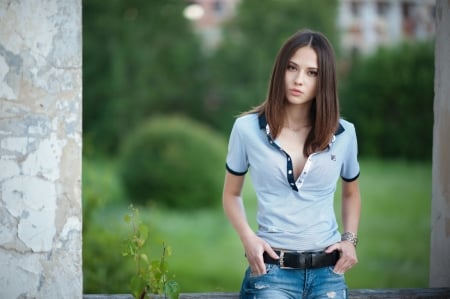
(364, 25)
(367, 24)
(210, 16)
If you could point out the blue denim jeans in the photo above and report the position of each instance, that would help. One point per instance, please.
(294, 284)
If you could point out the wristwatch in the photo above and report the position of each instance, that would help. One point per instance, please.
(351, 237)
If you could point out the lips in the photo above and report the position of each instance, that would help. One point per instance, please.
(295, 92)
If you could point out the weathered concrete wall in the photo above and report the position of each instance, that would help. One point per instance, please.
(40, 149)
(440, 218)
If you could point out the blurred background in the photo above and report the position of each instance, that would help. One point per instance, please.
(163, 81)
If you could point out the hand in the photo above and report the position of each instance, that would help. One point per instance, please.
(254, 250)
(348, 256)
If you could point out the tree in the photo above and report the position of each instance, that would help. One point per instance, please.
(389, 97)
(139, 58)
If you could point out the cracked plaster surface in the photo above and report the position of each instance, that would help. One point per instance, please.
(40, 149)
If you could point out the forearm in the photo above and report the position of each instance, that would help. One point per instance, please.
(234, 210)
(351, 211)
(351, 207)
(351, 215)
(233, 205)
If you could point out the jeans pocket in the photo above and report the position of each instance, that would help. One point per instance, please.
(269, 268)
(331, 268)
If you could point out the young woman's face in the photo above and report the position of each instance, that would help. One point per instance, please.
(301, 76)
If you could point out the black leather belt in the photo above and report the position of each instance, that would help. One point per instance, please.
(303, 260)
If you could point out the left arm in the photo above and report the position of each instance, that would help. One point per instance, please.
(351, 211)
(351, 206)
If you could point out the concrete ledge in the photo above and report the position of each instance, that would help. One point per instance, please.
(413, 293)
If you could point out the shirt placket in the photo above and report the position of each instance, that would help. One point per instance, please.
(305, 170)
(289, 165)
(308, 164)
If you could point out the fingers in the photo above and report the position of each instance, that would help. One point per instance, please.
(332, 248)
(257, 264)
(255, 256)
(343, 265)
(348, 257)
(271, 252)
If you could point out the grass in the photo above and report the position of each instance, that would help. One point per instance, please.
(394, 233)
(395, 226)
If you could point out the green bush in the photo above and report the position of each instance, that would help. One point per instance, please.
(102, 235)
(105, 270)
(389, 96)
(174, 161)
(101, 185)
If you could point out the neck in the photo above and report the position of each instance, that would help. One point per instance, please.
(296, 119)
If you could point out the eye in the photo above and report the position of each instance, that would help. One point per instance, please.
(291, 67)
(313, 73)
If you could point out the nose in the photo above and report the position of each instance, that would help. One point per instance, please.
(298, 80)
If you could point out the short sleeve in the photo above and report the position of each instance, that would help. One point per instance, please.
(237, 159)
(350, 168)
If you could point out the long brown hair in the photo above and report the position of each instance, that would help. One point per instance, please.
(324, 112)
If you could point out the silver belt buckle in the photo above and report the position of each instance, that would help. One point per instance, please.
(282, 266)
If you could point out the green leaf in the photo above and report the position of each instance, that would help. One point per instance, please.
(155, 264)
(172, 289)
(144, 257)
(137, 285)
(168, 251)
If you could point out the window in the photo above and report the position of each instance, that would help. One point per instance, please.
(382, 8)
(355, 7)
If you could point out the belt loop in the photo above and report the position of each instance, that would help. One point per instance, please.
(281, 259)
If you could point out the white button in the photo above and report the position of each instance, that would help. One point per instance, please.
(290, 171)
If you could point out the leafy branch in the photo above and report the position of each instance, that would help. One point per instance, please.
(151, 276)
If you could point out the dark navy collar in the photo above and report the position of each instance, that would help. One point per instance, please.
(263, 123)
(339, 130)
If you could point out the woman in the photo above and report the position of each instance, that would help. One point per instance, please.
(296, 147)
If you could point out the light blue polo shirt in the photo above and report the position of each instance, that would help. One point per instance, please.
(293, 215)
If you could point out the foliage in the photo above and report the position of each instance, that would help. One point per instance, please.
(389, 97)
(142, 58)
(151, 276)
(104, 268)
(174, 161)
(101, 186)
(396, 210)
(101, 191)
(241, 67)
(394, 194)
(139, 58)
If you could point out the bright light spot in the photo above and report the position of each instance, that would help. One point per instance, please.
(193, 12)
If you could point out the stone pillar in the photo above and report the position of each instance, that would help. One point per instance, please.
(440, 218)
(40, 149)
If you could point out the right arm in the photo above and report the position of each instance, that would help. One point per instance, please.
(235, 211)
